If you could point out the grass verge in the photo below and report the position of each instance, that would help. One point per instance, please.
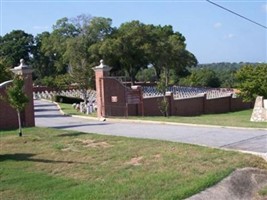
(234, 119)
(263, 192)
(56, 164)
(68, 109)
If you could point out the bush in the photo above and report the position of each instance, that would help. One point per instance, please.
(69, 100)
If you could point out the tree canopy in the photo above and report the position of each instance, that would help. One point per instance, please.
(135, 46)
(75, 45)
(135, 50)
(14, 46)
(252, 81)
(204, 78)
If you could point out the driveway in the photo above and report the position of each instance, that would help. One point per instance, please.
(47, 114)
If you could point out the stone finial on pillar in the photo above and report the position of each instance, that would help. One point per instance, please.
(102, 66)
(22, 68)
(22, 64)
(101, 71)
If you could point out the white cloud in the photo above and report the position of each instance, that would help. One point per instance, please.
(217, 25)
(229, 36)
(264, 7)
(41, 27)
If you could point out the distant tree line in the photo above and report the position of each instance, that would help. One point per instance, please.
(138, 51)
(214, 75)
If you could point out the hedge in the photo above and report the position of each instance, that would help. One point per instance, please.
(69, 100)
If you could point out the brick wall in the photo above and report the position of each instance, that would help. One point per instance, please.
(188, 107)
(218, 105)
(114, 97)
(237, 104)
(113, 100)
(8, 116)
(151, 106)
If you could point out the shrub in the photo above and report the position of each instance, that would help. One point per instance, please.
(69, 100)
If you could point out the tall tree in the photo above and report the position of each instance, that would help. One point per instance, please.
(55, 45)
(14, 46)
(252, 81)
(168, 52)
(5, 73)
(128, 46)
(43, 62)
(80, 52)
(160, 50)
(79, 64)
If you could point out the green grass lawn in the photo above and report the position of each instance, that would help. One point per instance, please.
(235, 119)
(57, 164)
(263, 191)
(68, 109)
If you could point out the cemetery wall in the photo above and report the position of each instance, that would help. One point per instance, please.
(114, 97)
(195, 106)
(217, 105)
(188, 106)
(237, 104)
(151, 106)
(115, 103)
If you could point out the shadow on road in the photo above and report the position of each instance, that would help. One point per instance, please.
(79, 125)
(50, 115)
(41, 110)
(42, 105)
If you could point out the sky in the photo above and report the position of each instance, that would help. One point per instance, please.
(212, 34)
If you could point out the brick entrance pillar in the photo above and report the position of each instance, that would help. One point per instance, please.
(101, 71)
(26, 72)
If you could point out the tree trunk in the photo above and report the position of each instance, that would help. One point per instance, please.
(167, 75)
(19, 120)
(158, 72)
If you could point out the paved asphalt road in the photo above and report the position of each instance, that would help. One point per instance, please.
(48, 115)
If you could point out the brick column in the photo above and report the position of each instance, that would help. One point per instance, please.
(101, 71)
(26, 72)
